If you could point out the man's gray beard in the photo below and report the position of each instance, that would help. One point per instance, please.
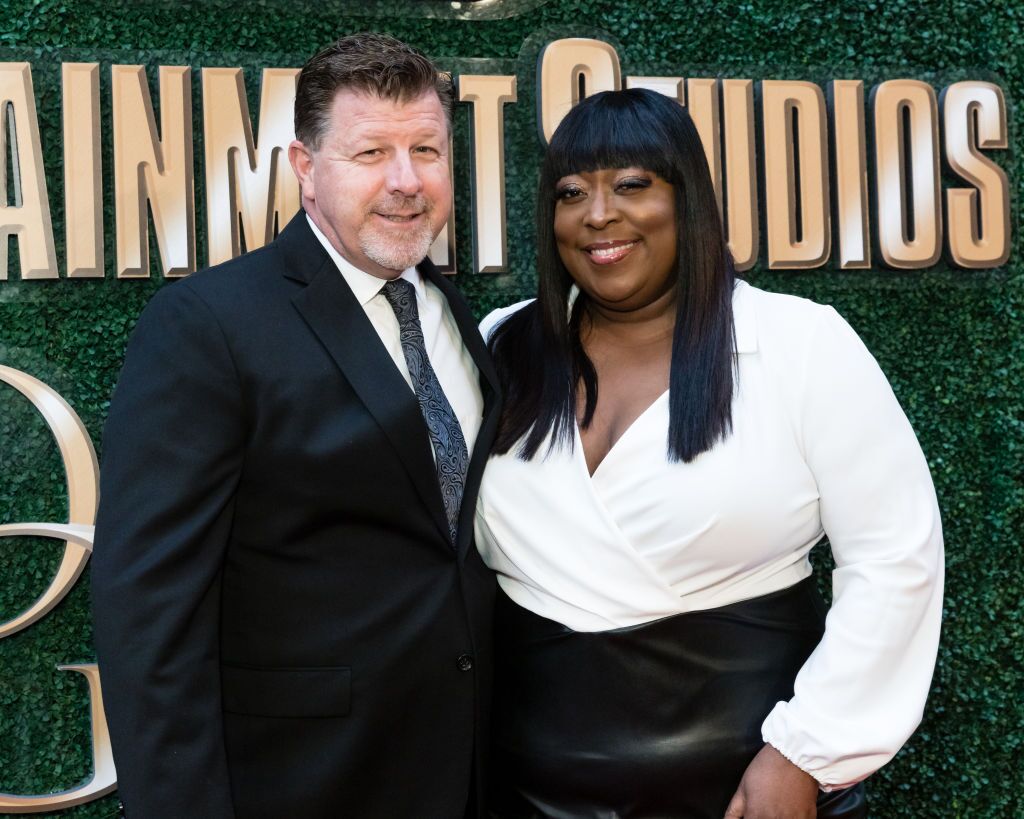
(397, 255)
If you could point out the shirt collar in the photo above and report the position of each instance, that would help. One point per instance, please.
(743, 318)
(363, 285)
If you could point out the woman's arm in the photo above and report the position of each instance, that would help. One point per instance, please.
(861, 693)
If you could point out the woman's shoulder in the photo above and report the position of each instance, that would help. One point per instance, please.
(796, 333)
(779, 317)
(782, 306)
(496, 317)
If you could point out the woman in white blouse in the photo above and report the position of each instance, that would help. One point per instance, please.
(673, 444)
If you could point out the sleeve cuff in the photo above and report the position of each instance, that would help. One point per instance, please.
(817, 767)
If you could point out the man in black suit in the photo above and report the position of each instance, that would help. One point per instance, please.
(290, 618)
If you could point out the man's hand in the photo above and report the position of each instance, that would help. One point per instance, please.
(774, 788)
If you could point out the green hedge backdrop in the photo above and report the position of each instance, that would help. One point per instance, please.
(950, 340)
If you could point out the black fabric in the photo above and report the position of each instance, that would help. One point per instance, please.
(279, 612)
(286, 692)
(849, 803)
(657, 720)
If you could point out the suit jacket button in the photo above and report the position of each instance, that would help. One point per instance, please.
(464, 662)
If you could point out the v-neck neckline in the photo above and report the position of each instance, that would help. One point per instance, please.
(615, 444)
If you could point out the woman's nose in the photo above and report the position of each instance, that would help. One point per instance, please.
(601, 210)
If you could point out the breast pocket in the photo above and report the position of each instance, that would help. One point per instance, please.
(286, 692)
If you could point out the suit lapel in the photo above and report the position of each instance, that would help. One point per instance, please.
(489, 389)
(333, 313)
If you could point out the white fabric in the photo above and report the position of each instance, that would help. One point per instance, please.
(452, 362)
(819, 446)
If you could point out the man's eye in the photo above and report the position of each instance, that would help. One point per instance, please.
(426, 149)
(370, 152)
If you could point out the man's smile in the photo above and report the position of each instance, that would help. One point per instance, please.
(399, 217)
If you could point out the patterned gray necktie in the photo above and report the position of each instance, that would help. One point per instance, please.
(450, 453)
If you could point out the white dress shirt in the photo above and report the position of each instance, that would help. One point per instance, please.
(452, 363)
(819, 446)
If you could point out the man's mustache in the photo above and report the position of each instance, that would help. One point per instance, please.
(403, 205)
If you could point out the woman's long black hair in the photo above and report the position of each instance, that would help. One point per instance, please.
(537, 350)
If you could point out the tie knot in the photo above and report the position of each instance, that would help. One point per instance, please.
(398, 292)
(401, 295)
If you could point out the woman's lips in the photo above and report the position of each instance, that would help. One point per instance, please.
(609, 252)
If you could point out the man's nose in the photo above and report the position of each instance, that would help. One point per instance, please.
(402, 176)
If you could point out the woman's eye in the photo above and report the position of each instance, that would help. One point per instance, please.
(568, 192)
(633, 184)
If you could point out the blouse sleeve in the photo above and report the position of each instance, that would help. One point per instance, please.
(496, 317)
(862, 691)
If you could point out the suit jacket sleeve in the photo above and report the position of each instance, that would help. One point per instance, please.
(172, 455)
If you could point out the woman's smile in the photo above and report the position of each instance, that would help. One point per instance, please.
(609, 252)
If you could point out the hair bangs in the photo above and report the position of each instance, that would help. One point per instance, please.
(613, 131)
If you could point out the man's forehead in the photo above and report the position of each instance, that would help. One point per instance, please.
(355, 110)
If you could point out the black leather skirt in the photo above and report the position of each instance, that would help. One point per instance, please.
(652, 721)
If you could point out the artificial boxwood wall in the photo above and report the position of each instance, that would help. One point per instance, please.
(950, 340)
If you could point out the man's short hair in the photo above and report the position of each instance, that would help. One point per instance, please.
(370, 63)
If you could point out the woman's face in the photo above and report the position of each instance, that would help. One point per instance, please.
(616, 234)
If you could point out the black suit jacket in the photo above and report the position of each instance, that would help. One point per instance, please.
(283, 625)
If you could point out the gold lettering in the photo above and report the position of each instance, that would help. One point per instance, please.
(851, 174)
(82, 473)
(104, 776)
(488, 96)
(703, 105)
(83, 493)
(796, 174)
(979, 217)
(566, 66)
(741, 210)
(83, 170)
(154, 170)
(669, 86)
(247, 185)
(29, 217)
(906, 140)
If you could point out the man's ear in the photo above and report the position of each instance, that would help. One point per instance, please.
(301, 159)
